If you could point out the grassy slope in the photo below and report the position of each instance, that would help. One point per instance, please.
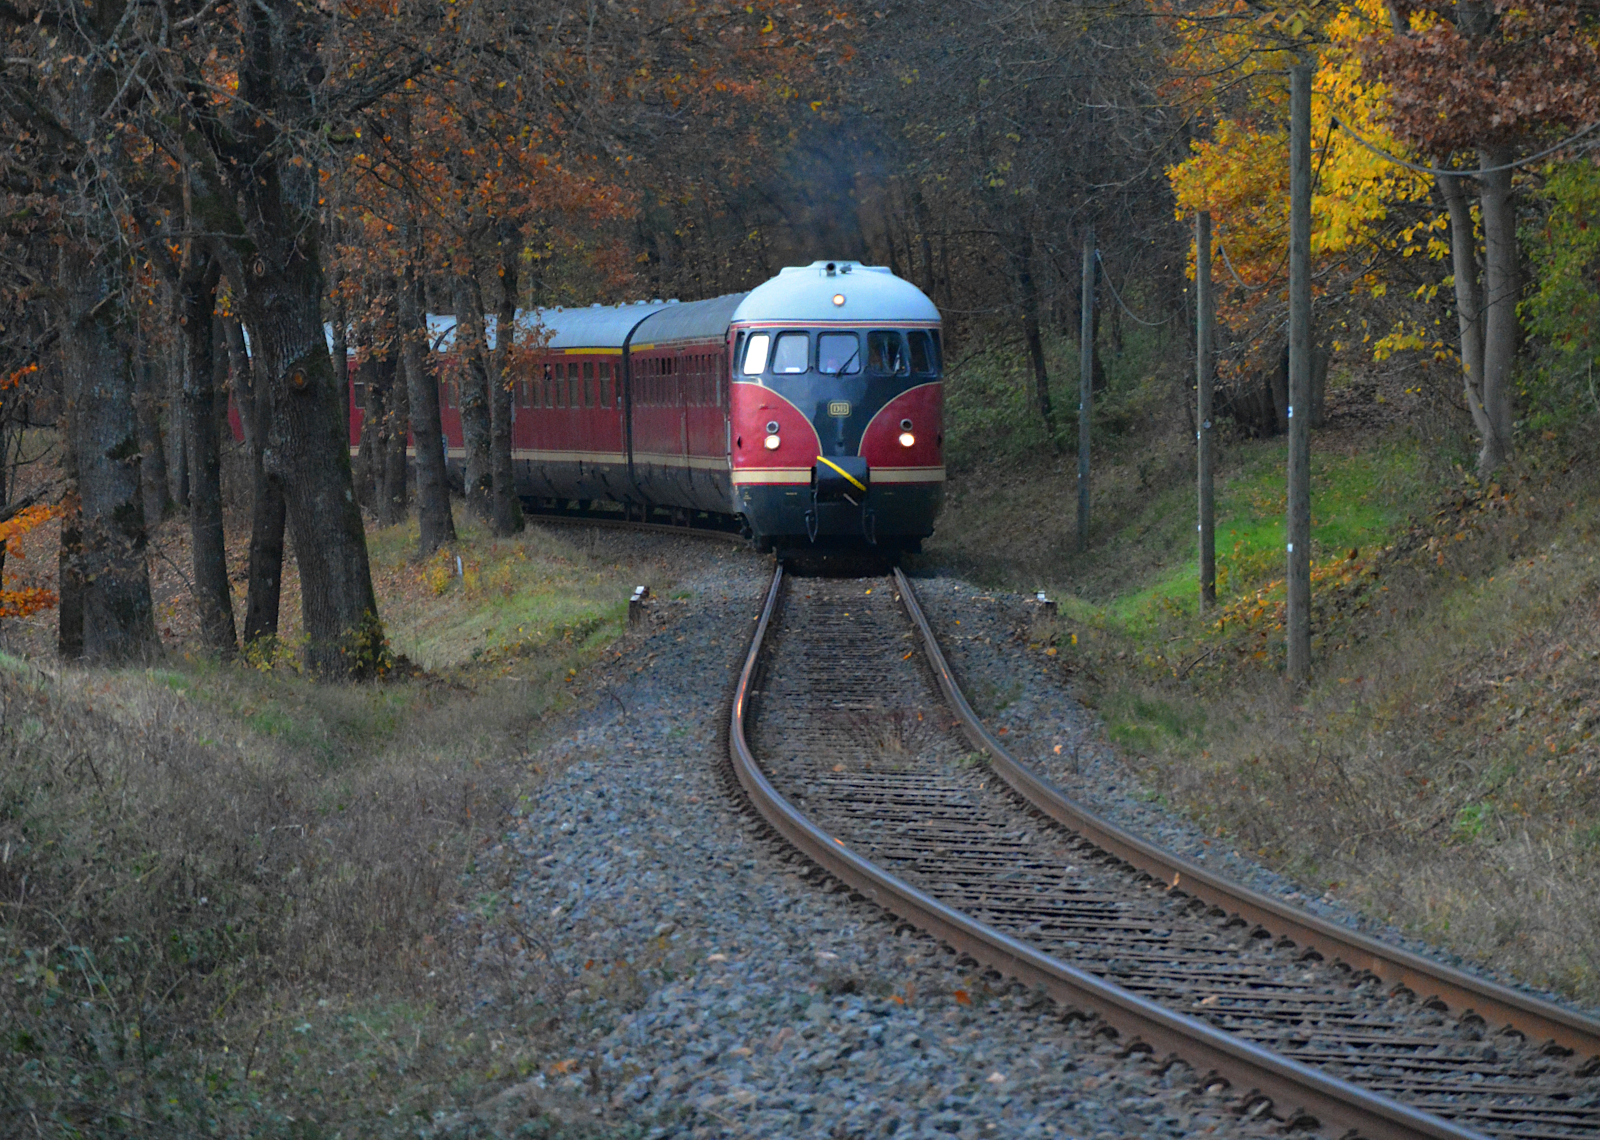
(245, 901)
(1442, 773)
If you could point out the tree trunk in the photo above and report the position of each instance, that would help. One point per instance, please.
(1099, 368)
(118, 614)
(307, 452)
(1500, 287)
(69, 607)
(391, 444)
(276, 268)
(265, 575)
(1027, 292)
(211, 593)
(1321, 357)
(341, 331)
(1278, 384)
(265, 589)
(152, 455)
(477, 481)
(368, 463)
(507, 511)
(1469, 299)
(919, 214)
(435, 524)
(176, 433)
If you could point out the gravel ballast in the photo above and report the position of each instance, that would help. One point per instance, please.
(704, 987)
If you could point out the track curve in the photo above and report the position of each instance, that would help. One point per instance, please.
(899, 810)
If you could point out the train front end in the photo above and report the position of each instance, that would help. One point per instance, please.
(836, 410)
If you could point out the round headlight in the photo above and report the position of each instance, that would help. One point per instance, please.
(838, 298)
(905, 425)
(772, 427)
(771, 442)
(907, 439)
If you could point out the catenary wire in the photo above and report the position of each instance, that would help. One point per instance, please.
(1335, 121)
(1123, 304)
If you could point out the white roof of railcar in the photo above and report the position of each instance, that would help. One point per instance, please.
(598, 326)
(804, 294)
(696, 320)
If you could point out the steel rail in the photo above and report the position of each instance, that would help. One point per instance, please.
(1289, 1085)
(1534, 1018)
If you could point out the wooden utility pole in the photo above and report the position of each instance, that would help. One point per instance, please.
(1085, 386)
(1205, 375)
(1298, 520)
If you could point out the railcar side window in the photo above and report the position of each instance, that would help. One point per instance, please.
(886, 353)
(924, 353)
(755, 354)
(791, 353)
(838, 353)
(589, 390)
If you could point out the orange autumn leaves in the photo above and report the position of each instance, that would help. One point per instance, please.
(21, 603)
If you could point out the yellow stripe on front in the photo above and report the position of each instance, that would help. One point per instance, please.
(771, 475)
(908, 474)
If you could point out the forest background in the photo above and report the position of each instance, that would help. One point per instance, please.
(193, 191)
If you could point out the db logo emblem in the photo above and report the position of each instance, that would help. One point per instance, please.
(840, 408)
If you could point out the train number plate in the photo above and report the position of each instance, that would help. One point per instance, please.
(840, 408)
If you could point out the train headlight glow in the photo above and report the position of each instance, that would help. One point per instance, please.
(838, 298)
(907, 439)
(771, 443)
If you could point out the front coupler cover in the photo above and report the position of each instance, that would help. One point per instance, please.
(843, 478)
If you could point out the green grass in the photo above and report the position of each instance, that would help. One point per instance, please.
(1361, 500)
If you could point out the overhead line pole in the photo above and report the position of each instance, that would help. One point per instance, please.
(1205, 377)
(1298, 510)
(1085, 386)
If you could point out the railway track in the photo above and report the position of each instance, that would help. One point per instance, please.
(853, 742)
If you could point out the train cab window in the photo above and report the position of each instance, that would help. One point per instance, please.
(886, 354)
(838, 353)
(792, 353)
(755, 354)
(924, 353)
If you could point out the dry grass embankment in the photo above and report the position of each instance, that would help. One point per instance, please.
(240, 903)
(1443, 773)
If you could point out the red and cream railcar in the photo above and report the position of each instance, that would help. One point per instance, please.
(808, 409)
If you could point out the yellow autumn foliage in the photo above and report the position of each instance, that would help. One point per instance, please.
(1241, 173)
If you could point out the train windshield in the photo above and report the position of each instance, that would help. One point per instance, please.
(755, 354)
(924, 352)
(792, 353)
(838, 354)
(886, 354)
